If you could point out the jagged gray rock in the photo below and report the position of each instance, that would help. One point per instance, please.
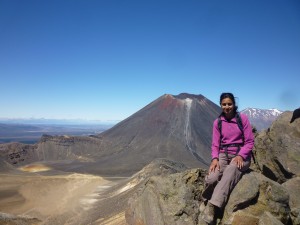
(277, 152)
(277, 149)
(253, 196)
(176, 198)
(266, 196)
(268, 219)
(172, 199)
(293, 186)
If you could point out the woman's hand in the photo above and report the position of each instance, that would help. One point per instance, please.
(239, 161)
(214, 165)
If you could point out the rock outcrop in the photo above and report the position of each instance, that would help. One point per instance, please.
(176, 198)
(296, 115)
(256, 197)
(266, 196)
(167, 199)
(277, 149)
(18, 153)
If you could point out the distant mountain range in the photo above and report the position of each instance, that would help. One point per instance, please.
(261, 118)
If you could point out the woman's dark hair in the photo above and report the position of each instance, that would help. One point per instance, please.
(230, 96)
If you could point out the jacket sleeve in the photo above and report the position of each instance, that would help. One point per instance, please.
(215, 140)
(245, 151)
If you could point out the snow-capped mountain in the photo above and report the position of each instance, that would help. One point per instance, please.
(261, 118)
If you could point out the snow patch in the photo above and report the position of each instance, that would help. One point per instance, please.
(188, 102)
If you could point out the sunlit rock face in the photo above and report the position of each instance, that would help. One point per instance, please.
(278, 149)
(174, 197)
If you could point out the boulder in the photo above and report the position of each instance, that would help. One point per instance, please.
(171, 199)
(293, 187)
(253, 197)
(277, 150)
(175, 199)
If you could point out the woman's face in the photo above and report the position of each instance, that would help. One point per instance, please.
(227, 107)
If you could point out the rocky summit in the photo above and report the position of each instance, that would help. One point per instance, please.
(267, 194)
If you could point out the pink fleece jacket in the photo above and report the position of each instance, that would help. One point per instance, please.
(231, 134)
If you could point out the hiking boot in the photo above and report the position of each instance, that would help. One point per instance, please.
(209, 213)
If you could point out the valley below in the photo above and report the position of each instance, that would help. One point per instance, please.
(39, 194)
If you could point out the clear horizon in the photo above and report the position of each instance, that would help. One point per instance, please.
(86, 120)
(105, 60)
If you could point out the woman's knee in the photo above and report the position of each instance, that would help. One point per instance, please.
(212, 178)
(234, 168)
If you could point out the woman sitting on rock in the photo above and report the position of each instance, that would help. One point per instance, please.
(232, 143)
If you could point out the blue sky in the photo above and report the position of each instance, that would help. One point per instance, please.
(107, 59)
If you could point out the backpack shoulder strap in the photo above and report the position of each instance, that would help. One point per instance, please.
(220, 129)
(220, 124)
(240, 124)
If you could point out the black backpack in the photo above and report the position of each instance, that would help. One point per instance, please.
(241, 127)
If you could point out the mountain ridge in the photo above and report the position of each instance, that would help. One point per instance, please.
(261, 119)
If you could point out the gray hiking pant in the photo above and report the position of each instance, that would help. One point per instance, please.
(219, 184)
